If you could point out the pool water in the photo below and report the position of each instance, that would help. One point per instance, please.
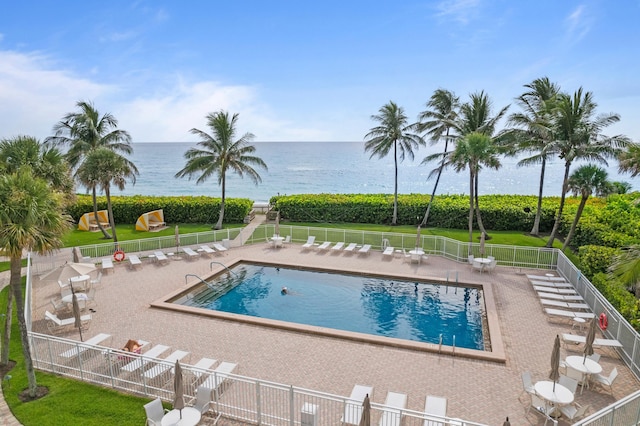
(383, 307)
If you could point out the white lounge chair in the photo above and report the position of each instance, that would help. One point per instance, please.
(219, 247)
(563, 297)
(140, 360)
(437, 406)
(551, 284)
(324, 246)
(206, 250)
(134, 260)
(190, 253)
(55, 324)
(220, 374)
(545, 278)
(388, 251)
(165, 365)
(576, 340)
(561, 304)
(391, 415)
(351, 247)
(353, 405)
(160, 257)
(365, 249)
(554, 290)
(569, 314)
(310, 241)
(338, 246)
(107, 265)
(83, 346)
(203, 364)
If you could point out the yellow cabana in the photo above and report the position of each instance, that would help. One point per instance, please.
(88, 221)
(150, 221)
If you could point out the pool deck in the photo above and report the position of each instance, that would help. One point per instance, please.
(479, 390)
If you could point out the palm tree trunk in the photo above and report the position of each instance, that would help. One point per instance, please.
(95, 214)
(576, 219)
(222, 202)
(470, 207)
(435, 186)
(556, 225)
(536, 222)
(16, 288)
(480, 224)
(394, 220)
(107, 192)
(7, 330)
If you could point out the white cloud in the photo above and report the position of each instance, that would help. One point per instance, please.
(578, 24)
(461, 11)
(118, 36)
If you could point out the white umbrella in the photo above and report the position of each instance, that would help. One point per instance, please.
(67, 271)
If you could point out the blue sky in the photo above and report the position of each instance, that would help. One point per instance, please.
(303, 71)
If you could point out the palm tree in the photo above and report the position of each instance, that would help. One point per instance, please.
(577, 135)
(533, 130)
(219, 153)
(586, 180)
(102, 168)
(85, 131)
(436, 121)
(626, 268)
(31, 219)
(629, 160)
(393, 132)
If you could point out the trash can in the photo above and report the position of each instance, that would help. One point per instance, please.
(226, 243)
(309, 415)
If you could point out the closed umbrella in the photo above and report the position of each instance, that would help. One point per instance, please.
(177, 232)
(76, 313)
(365, 419)
(418, 238)
(67, 271)
(178, 398)
(588, 344)
(555, 362)
(277, 231)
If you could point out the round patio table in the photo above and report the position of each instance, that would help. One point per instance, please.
(190, 417)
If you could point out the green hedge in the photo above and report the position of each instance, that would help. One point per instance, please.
(176, 209)
(499, 212)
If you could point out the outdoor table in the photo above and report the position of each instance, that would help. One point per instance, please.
(416, 254)
(69, 297)
(482, 261)
(190, 417)
(586, 366)
(561, 396)
(80, 281)
(277, 240)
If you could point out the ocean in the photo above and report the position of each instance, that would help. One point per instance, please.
(334, 167)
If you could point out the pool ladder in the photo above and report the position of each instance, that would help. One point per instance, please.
(223, 265)
(440, 344)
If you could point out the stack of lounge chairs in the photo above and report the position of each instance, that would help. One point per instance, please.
(555, 292)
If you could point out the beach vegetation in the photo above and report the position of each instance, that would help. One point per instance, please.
(218, 154)
(393, 132)
(85, 131)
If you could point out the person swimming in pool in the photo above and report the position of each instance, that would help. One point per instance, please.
(284, 290)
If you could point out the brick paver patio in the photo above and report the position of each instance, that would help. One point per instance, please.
(477, 390)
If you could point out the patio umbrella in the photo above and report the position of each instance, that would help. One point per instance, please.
(482, 239)
(506, 422)
(365, 419)
(76, 313)
(588, 344)
(277, 231)
(418, 238)
(178, 398)
(177, 232)
(68, 270)
(555, 362)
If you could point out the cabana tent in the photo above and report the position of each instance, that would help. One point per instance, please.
(151, 221)
(88, 221)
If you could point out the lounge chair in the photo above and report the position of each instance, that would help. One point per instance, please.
(203, 364)
(324, 246)
(220, 374)
(561, 304)
(563, 297)
(107, 265)
(165, 365)
(310, 241)
(219, 247)
(551, 284)
(134, 261)
(59, 305)
(155, 412)
(351, 247)
(287, 241)
(545, 278)
(569, 314)
(437, 406)
(338, 246)
(190, 253)
(141, 360)
(55, 324)
(392, 413)
(83, 346)
(388, 252)
(554, 290)
(576, 340)
(353, 405)
(207, 250)
(364, 249)
(160, 257)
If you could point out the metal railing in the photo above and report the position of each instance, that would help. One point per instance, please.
(235, 397)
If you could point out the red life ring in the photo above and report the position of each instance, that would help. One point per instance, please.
(603, 321)
(118, 256)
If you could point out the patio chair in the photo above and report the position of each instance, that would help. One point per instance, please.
(406, 257)
(574, 411)
(470, 259)
(353, 404)
(310, 241)
(594, 357)
(541, 406)
(527, 384)
(569, 382)
(578, 376)
(606, 380)
(270, 242)
(59, 305)
(202, 399)
(287, 241)
(395, 403)
(97, 279)
(155, 412)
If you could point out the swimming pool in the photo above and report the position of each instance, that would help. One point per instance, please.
(387, 307)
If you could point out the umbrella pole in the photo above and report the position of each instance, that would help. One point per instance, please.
(73, 294)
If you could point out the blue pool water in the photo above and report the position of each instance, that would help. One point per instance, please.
(383, 307)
